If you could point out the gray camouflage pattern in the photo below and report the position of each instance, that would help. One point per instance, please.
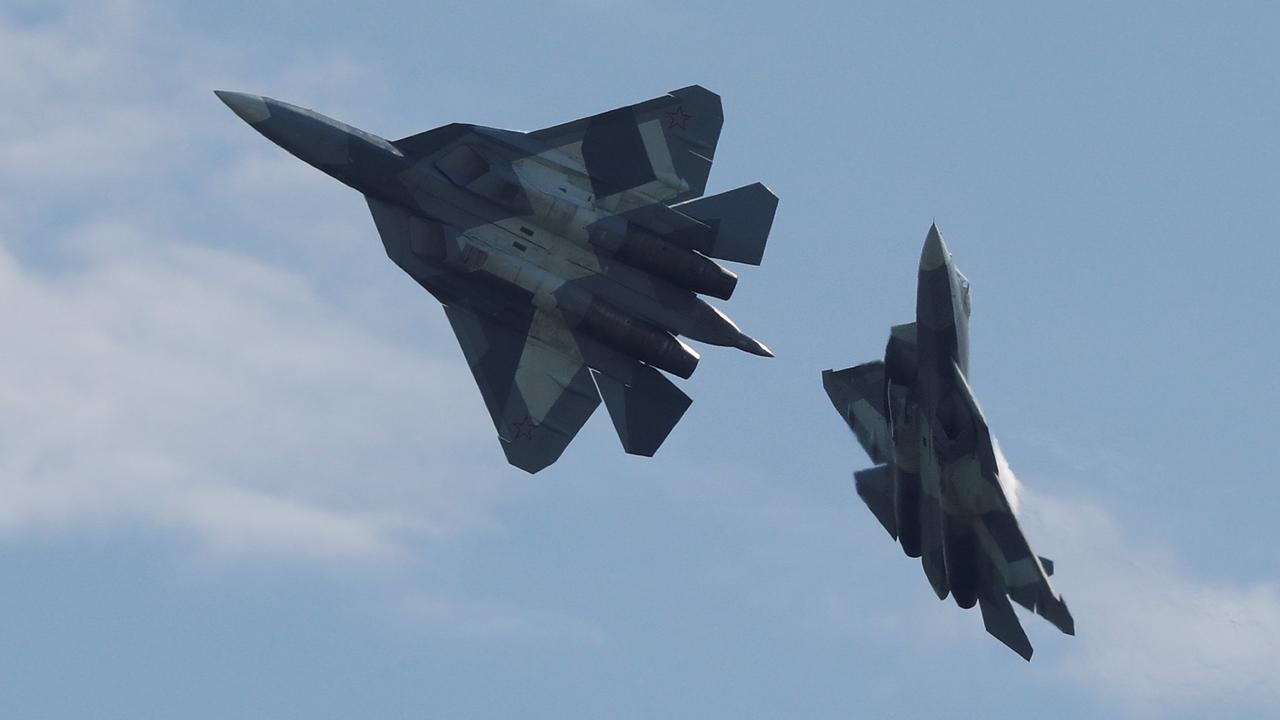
(569, 260)
(937, 486)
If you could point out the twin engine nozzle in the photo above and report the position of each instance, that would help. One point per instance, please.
(682, 266)
(613, 327)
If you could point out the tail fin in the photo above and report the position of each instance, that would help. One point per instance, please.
(740, 221)
(644, 411)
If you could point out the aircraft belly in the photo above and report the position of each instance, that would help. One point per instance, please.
(528, 239)
(905, 428)
(931, 480)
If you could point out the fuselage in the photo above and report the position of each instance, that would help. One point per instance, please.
(942, 340)
(500, 217)
(948, 494)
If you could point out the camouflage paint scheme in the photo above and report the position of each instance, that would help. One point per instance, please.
(937, 485)
(568, 259)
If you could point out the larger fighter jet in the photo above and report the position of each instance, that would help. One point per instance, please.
(940, 486)
(568, 259)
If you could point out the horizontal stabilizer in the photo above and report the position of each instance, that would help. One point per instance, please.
(875, 487)
(740, 221)
(1002, 623)
(644, 411)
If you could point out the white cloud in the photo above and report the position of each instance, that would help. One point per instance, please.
(149, 378)
(85, 100)
(1152, 634)
(110, 106)
(1155, 637)
(198, 389)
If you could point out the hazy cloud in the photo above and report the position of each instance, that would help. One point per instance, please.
(154, 372)
(200, 389)
(483, 620)
(1152, 634)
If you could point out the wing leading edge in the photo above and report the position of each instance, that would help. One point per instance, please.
(1020, 574)
(662, 147)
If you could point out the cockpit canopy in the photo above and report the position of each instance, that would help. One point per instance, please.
(965, 295)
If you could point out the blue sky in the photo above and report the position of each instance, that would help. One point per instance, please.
(244, 471)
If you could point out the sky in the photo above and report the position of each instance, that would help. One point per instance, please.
(244, 470)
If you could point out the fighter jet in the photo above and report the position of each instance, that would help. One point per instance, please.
(940, 485)
(569, 260)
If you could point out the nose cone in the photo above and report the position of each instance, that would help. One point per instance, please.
(251, 108)
(315, 139)
(935, 253)
(359, 159)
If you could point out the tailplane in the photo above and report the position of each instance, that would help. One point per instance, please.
(643, 411)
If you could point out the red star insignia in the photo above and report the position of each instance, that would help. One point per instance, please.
(678, 118)
(524, 428)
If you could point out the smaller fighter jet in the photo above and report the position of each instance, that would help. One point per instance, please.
(940, 486)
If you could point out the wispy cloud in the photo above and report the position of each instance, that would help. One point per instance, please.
(200, 389)
(1154, 635)
(159, 371)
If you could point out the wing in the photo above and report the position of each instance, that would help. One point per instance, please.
(539, 396)
(661, 147)
(858, 395)
(1024, 576)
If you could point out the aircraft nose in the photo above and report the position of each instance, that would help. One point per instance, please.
(251, 108)
(935, 253)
